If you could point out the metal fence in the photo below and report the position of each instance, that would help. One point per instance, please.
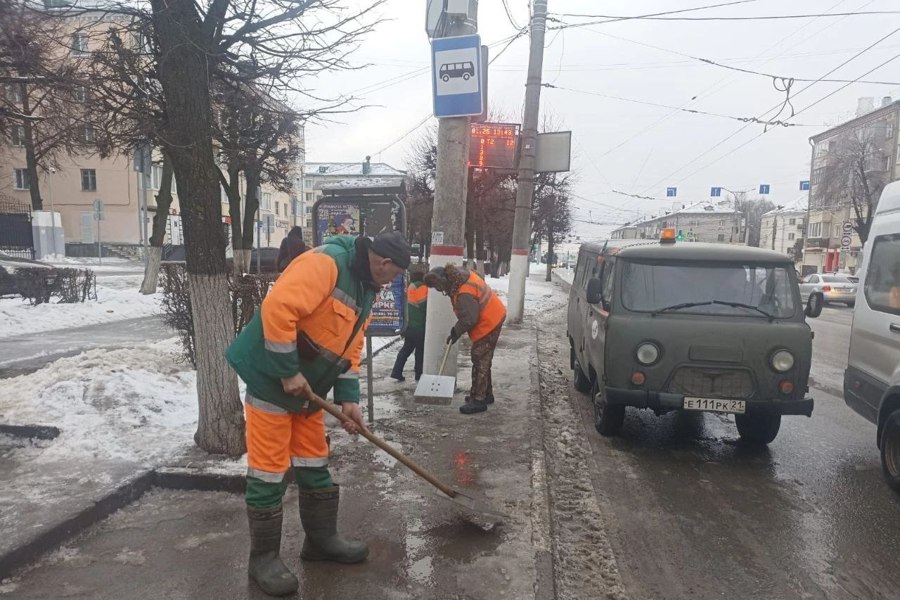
(16, 235)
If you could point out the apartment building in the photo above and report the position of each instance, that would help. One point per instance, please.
(72, 188)
(783, 227)
(715, 222)
(831, 207)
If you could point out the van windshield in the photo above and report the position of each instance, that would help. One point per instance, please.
(707, 288)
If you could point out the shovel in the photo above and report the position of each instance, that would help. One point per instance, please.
(476, 511)
(436, 389)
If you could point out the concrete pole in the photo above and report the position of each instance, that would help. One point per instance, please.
(525, 188)
(447, 223)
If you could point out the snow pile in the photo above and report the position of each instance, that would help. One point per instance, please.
(134, 404)
(18, 317)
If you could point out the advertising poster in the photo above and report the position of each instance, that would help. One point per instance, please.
(388, 312)
(337, 219)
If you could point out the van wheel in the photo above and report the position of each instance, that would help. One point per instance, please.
(759, 428)
(890, 450)
(814, 305)
(582, 383)
(607, 419)
(851, 304)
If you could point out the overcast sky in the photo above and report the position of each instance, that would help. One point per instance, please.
(626, 146)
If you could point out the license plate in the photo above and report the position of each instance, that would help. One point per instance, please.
(738, 407)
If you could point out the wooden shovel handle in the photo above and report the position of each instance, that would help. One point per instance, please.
(335, 412)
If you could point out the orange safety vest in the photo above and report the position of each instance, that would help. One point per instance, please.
(416, 295)
(492, 310)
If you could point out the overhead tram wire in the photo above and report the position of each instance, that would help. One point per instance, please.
(614, 19)
(668, 12)
(722, 83)
(804, 109)
(762, 116)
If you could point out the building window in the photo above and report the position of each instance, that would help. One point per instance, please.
(80, 93)
(79, 44)
(815, 230)
(266, 201)
(837, 230)
(14, 93)
(791, 237)
(17, 136)
(277, 209)
(884, 163)
(309, 210)
(889, 131)
(792, 221)
(88, 180)
(818, 175)
(721, 237)
(23, 182)
(156, 179)
(88, 135)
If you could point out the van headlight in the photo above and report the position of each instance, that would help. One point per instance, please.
(647, 353)
(782, 361)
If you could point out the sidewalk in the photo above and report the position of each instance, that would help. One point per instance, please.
(192, 544)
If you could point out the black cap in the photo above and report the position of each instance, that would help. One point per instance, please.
(392, 245)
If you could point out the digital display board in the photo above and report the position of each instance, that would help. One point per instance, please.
(493, 145)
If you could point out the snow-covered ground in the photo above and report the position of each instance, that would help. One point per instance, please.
(117, 298)
(133, 404)
(539, 294)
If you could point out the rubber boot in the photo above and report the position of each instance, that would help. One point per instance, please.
(266, 567)
(319, 514)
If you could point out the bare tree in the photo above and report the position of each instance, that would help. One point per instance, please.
(421, 169)
(552, 212)
(752, 210)
(856, 171)
(41, 107)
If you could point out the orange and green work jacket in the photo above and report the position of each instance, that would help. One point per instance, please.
(478, 309)
(323, 299)
(417, 304)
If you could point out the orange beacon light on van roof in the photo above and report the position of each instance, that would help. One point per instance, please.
(667, 236)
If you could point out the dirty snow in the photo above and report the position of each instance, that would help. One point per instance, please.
(134, 404)
(584, 563)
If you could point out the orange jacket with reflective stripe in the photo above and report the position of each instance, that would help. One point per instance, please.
(491, 310)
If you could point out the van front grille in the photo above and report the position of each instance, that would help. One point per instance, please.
(712, 383)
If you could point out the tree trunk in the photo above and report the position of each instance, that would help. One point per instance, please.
(550, 257)
(241, 258)
(251, 206)
(158, 235)
(34, 185)
(184, 56)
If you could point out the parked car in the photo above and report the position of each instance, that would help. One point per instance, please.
(872, 378)
(832, 287)
(689, 326)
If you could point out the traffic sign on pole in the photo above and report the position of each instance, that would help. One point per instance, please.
(456, 76)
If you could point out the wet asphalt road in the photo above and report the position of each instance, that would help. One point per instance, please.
(694, 514)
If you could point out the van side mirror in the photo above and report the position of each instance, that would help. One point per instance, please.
(594, 291)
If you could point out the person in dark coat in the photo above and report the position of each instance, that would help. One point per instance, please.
(292, 246)
(414, 336)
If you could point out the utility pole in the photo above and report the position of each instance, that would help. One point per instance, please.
(525, 186)
(448, 220)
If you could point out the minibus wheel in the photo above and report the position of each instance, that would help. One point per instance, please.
(890, 450)
(758, 428)
(607, 419)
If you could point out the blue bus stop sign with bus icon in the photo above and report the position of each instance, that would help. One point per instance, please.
(456, 76)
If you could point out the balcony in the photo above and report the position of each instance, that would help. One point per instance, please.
(818, 242)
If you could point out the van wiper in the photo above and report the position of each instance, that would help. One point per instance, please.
(680, 306)
(770, 316)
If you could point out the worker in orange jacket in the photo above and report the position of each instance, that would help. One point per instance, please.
(481, 314)
(307, 339)
(414, 336)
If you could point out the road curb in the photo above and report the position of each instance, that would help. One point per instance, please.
(541, 531)
(171, 478)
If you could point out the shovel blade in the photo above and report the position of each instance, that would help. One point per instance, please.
(475, 510)
(435, 389)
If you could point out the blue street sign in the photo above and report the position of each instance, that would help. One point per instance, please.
(456, 78)
(804, 185)
(715, 192)
(671, 192)
(764, 188)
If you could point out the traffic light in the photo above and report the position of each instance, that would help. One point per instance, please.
(680, 236)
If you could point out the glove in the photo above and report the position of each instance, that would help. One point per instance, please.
(453, 337)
